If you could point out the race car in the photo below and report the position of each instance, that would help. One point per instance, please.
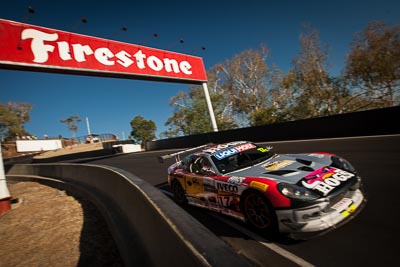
(296, 194)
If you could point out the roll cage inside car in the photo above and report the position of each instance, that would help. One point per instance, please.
(199, 164)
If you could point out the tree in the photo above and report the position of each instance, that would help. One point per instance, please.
(191, 115)
(314, 92)
(373, 64)
(13, 116)
(245, 82)
(241, 92)
(143, 130)
(71, 122)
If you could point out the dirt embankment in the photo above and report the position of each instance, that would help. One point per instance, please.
(49, 227)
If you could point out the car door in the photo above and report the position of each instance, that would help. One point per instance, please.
(200, 182)
(193, 182)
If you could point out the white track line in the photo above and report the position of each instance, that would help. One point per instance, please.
(284, 253)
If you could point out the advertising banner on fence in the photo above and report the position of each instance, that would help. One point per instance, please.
(29, 47)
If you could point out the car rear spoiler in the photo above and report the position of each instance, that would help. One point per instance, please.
(162, 159)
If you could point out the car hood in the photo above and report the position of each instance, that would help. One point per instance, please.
(290, 168)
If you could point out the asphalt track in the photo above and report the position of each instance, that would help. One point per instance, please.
(370, 239)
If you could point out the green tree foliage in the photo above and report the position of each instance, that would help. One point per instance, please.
(246, 83)
(191, 114)
(13, 116)
(237, 87)
(72, 124)
(309, 79)
(373, 64)
(143, 130)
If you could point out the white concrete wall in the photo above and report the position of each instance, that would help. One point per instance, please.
(38, 145)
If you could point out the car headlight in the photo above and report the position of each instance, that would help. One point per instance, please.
(296, 192)
(343, 164)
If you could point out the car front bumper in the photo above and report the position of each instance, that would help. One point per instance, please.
(323, 216)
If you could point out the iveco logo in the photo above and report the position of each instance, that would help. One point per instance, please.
(227, 187)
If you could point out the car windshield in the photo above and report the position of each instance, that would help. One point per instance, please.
(234, 160)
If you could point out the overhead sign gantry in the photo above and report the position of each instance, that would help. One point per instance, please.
(33, 48)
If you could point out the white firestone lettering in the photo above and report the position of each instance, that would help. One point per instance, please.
(63, 50)
(171, 65)
(103, 55)
(185, 67)
(139, 56)
(155, 63)
(80, 51)
(39, 49)
(124, 58)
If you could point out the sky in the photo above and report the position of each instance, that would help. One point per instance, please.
(223, 28)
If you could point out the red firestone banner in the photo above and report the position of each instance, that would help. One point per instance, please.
(29, 47)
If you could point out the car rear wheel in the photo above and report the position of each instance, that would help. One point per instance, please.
(179, 193)
(258, 212)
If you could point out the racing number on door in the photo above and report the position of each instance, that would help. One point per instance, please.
(224, 200)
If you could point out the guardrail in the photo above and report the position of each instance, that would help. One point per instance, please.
(148, 227)
(363, 123)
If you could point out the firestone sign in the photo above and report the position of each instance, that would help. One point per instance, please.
(24, 46)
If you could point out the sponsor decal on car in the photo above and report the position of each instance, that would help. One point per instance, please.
(225, 153)
(258, 185)
(273, 166)
(220, 147)
(326, 179)
(236, 180)
(345, 207)
(233, 150)
(226, 187)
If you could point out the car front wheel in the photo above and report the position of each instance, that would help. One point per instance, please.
(258, 212)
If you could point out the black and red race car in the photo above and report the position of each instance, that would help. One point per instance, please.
(297, 194)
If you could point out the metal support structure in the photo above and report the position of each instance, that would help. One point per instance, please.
(88, 126)
(4, 193)
(210, 108)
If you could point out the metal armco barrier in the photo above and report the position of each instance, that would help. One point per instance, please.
(148, 228)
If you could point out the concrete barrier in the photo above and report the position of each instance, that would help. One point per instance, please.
(363, 123)
(148, 227)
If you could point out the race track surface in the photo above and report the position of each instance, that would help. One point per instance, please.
(370, 239)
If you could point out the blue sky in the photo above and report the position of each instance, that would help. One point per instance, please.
(224, 28)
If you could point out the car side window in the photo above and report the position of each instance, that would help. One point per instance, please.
(195, 165)
(204, 166)
(187, 163)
